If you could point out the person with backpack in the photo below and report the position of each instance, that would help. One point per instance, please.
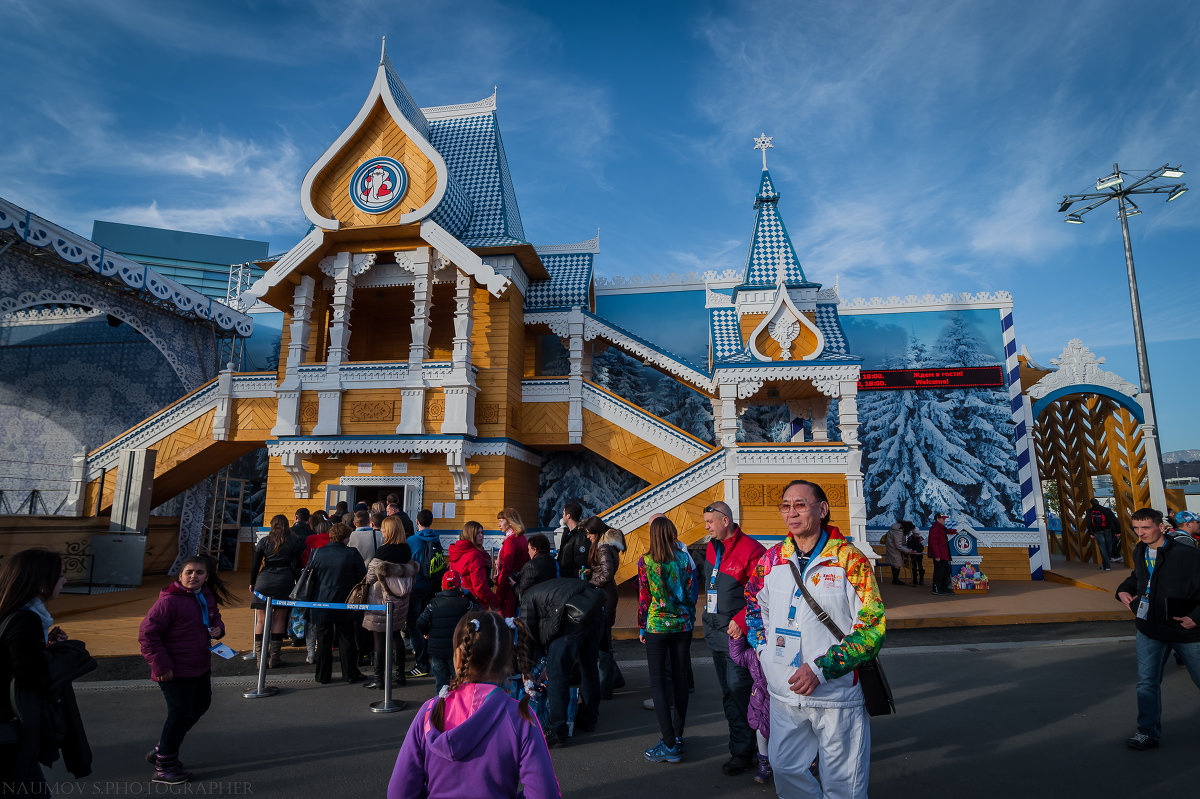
(430, 557)
(1102, 523)
(916, 548)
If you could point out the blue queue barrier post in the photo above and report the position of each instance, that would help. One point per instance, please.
(262, 689)
(387, 705)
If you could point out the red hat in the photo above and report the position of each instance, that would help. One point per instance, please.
(451, 579)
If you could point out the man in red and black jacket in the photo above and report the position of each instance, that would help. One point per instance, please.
(729, 562)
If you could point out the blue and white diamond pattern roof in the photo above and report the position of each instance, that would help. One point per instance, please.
(726, 334)
(474, 154)
(570, 279)
(408, 106)
(770, 246)
(835, 339)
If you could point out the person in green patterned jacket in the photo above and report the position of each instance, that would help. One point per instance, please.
(666, 615)
(816, 702)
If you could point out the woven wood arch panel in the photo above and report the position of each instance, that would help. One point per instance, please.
(1081, 436)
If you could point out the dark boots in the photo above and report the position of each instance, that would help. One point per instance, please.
(169, 771)
(274, 657)
(763, 775)
(257, 646)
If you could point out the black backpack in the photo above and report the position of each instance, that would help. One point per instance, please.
(1098, 519)
(433, 562)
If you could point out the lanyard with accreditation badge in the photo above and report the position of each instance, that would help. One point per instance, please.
(710, 599)
(1143, 608)
(802, 561)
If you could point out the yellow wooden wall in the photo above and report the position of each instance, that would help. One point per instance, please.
(496, 482)
(999, 563)
(379, 135)
(688, 518)
(760, 494)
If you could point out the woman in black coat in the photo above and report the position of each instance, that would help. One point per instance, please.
(336, 568)
(28, 580)
(273, 573)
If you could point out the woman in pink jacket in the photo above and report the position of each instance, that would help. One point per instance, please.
(176, 638)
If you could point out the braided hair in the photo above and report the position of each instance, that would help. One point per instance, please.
(484, 648)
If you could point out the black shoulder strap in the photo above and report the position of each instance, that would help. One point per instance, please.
(822, 616)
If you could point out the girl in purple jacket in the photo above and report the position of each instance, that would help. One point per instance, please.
(473, 739)
(759, 715)
(176, 638)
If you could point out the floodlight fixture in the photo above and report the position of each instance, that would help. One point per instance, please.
(1110, 188)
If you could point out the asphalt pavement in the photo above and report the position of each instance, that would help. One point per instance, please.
(1032, 710)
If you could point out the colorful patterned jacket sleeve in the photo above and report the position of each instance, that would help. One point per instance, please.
(691, 583)
(643, 596)
(864, 641)
(754, 621)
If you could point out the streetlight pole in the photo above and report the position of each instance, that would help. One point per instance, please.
(1110, 188)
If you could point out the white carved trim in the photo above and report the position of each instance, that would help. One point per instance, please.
(1077, 365)
(544, 390)
(293, 464)
(715, 299)
(54, 315)
(689, 281)
(509, 449)
(485, 106)
(379, 90)
(644, 425)
(928, 302)
(463, 258)
(798, 457)
(284, 266)
(413, 500)
(637, 510)
(770, 322)
(75, 249)
(156, 427)
(825, 377)
(380, 445)
(511, 268)
(591, 245)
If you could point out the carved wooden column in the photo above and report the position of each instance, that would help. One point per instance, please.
(287, 396)
(855, 499)
(575, 376)
(460, 389)
(412, 391)
(343, 268)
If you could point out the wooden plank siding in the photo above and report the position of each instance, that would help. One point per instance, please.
(496, 482)
(760, 494)
(627, 450)
(688, 517)
(379, 135)
(999, 563)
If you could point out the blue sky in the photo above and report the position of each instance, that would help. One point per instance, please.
(920, 146)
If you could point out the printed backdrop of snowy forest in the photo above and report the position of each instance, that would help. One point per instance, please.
(923, 451)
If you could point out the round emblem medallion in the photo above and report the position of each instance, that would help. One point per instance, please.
(962, 544)
(378, 185)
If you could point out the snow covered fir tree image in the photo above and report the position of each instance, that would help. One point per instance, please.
(927, 451)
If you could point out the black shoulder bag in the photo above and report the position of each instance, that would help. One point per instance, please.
(877, 693)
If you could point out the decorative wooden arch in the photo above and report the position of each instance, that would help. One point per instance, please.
(1088, 424)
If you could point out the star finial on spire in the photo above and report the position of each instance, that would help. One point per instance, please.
(763, 142)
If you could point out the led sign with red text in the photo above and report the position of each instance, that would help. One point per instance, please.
(955, 377)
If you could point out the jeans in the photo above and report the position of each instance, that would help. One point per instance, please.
(582, 642)
(187, 700)
(1152, 655)
(671, 708)
(443, 670)
(1104, 543)
(736, 684)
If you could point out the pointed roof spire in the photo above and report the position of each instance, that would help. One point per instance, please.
(383, 52)
(772, 258)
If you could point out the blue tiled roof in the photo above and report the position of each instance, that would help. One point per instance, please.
(474, 154)
(770, 243)
(726, 335)
(830, 326)
(570, 278)
(408, 106)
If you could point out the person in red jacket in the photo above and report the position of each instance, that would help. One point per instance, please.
(939, 550)
(175, 637)
(514, 553)
(466, 556)
(729, 562)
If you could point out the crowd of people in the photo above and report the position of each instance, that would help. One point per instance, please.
(507, 638)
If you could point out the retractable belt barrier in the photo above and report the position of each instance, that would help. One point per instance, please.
(261, 690)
